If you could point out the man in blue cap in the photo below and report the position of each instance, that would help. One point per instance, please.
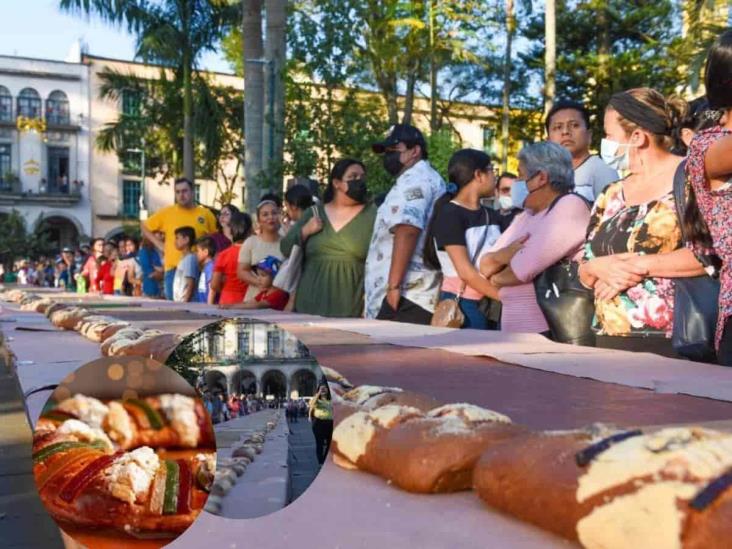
(399, 286)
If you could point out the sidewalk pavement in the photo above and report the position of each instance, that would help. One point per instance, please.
(302, 461)
(24, 521)
(262, 489)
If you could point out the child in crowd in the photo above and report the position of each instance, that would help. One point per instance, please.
(225, 282)
(105, 271)
(205, 252)
(269, 297)
(151, 266)
(186, 273)
(62, 274)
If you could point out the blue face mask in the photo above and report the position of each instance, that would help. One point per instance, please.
(519, 192)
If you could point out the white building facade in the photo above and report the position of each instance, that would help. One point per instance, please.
(45, 146)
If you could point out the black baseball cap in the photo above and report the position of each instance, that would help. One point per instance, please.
(401, 133)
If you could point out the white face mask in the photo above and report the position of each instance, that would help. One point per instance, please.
(505, 202)
(519, 192)
(609, 154)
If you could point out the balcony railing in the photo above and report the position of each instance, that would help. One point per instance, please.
(13, 192)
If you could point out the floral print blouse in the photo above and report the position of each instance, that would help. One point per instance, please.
(716, 209)
(651, 228)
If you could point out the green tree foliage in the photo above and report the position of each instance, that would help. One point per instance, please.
(171, 33)
(340, 47)
(217, 126)
(608, 46)
(17, 242)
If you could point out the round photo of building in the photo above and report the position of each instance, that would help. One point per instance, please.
(271, 410)
(124, 454)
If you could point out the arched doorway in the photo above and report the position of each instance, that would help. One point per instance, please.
(245, 382)
(274, 383)
(304, 382)
(216, 382)
(58, 232)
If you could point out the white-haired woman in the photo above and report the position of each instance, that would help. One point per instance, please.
(552, 227)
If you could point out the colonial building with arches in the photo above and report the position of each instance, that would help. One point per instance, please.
(239, 356)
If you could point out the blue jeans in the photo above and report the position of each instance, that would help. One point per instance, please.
(169, 277)
(473, 317)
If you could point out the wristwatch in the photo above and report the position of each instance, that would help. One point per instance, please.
(391, 287)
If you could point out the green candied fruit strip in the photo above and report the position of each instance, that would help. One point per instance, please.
(156, 422)
(51, 449)
(170, 502)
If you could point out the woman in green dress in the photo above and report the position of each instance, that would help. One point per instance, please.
(334, 237)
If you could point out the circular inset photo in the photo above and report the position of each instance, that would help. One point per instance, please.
(271, 409)
(124, 454)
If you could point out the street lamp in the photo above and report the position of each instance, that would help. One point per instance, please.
(141, 203)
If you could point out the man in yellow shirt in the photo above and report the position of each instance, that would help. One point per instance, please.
(184, 213)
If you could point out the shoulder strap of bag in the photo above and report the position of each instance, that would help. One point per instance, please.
(481, 242)
(680, 196)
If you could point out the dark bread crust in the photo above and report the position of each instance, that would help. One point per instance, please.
(535, 477)
(419, 456)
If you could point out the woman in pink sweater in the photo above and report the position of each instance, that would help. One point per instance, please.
(552, 227)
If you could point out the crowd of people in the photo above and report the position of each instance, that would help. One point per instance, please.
(618, 224)
(222, 407)
(318, 410)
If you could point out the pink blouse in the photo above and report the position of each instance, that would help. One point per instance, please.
(554, 235)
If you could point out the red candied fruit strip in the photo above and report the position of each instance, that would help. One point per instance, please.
(58, 415)
(184, 491)
(204, 425)
(85, 476)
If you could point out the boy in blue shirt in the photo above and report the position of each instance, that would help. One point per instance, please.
(205, 251)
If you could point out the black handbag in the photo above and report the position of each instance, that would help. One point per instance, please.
(567, 305)
(696, 299)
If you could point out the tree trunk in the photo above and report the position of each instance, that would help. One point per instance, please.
(274, 51)
(188, 160)
(409, 95)
(253, 98)
(433, 72)
(603, 82)
(188, 164)
(550, 54)
(506, 110)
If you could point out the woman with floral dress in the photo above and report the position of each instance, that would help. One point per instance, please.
(709, 171)
(634, 249)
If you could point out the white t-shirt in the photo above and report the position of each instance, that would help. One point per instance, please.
(409, 202)
(592, 176)
(187, 268)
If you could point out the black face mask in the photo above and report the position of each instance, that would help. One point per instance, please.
(392, 164)
(357, 190)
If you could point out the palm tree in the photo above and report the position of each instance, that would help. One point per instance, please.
(217, 131)
(171, 33)
(253, 52)
(550, 56)
(275, 52)
(506, 103)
